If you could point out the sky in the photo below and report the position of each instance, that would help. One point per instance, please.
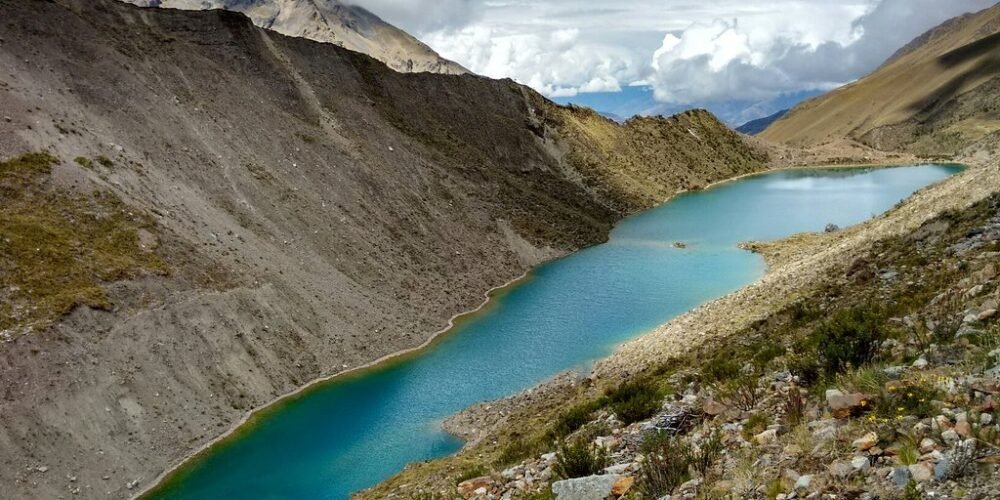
(686, 51)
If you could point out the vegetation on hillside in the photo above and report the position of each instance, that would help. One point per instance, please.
(57, 247)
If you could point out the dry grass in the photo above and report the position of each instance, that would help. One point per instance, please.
(57, 248)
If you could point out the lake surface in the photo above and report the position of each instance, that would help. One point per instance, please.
(349, 434)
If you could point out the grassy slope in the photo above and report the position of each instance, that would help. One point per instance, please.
(949, 61)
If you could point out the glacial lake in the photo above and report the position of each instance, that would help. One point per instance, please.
(350, 433)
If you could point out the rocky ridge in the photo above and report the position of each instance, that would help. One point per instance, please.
(331, 21)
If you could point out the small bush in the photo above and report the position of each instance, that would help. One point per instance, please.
(742, 391)
(517, 449)
(850, 338)
(756, 424)
(575, 417)
(795, 408)
(472, 471)
(667, 465)
(906, 398)
(105, 161)
(83, 162)
(635, 401)
(580, 459)
(707, 453)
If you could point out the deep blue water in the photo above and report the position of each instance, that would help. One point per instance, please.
(349, 434)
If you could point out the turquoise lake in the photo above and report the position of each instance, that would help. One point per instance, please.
(346, 435)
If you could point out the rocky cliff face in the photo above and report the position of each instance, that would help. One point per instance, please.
(330, 21)
(282, 209)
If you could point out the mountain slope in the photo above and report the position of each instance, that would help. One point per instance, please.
(349, 26)
(281, 209)
(934, 96)
(754, 127)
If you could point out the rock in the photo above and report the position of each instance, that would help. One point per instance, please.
(42, 468)
(712, 407)
(921, 472)
(942, 469)
(549, 457)
(927, 445)
(617, 469)
(963, 429)
(792, 449)
(841, 469)
(831, 228)
(900, 476)
(950, 436)
(865, 442)
(860, 464)
(803, 482)
(132, 484)
(766, 437)
(920, 363)
(986, 314)
(894, 372)
(974, 291)
(585, 488)
(622, 486)
(468, 488)
(844, 405)
(985, 418)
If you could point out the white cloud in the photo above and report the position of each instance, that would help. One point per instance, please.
(755, 58)
(688, 51)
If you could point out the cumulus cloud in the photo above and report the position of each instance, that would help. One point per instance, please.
(687, 51)
(557, 63)
(754, 58)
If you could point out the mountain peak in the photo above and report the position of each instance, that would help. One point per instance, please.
(331, 21)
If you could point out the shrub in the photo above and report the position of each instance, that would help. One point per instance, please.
(517, 449)
(756, 424)
(707, 453)
(636, 400)
(906, 398)
(580, 459)
(472, 471)
(666, 466)
(105, 161)
(741, 391)
(83, 162)
(795, 408)
(576, 416)
(850, 338)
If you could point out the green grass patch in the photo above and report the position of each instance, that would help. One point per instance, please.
(57, 248)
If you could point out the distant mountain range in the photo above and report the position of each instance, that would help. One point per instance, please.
(754, 127)
(331, 21)
(638, 100)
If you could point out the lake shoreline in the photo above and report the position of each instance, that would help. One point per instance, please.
(388, 359)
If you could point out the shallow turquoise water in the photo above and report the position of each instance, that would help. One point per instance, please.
(347, 435)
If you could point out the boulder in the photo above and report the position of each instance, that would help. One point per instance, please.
(841, 469)
(921, 472)
(900, 476)
(803, 482)
(468, 488)
(622, 485)
(596, 487)
(865, 442)
(844, 405)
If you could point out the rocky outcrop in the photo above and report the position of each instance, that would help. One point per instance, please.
(312, 209)
(330, 21)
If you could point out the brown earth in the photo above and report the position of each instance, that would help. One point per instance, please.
(312, 210)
